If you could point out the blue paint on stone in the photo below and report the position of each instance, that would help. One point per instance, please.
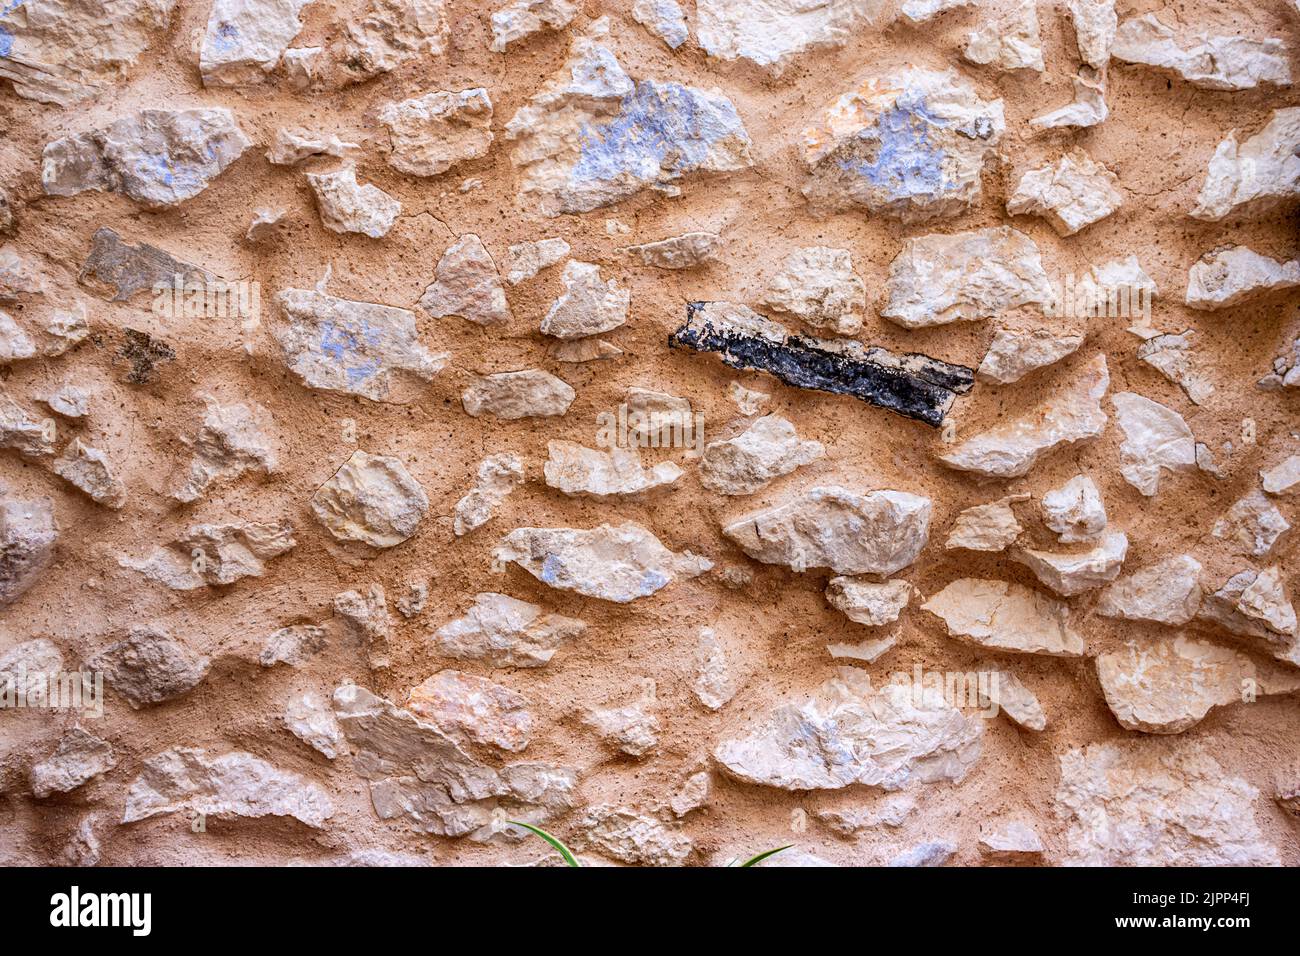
(551, 568)
(908, 162)
(6, 36)
(652, 581)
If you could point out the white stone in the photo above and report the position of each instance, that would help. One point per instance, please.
(1012, 355)
(1075, 510)
(987, 527)
(28, 669)
(1016, 842)
(68, 326)
(1166, 687)
(1008, 41)
(1005, 692)
(265, 224)
(15, 344)
(592, 136)
(1071, 193)
(524, 394)
(1256, 605)
(1095, 23)
(1155, 438)
(1167, 592)
(614, 563)
(888, 811)
(879, 532)
(149, 666)
(360, 348)
(588, 472)
(1255, 176)
(1073, 413)
(89, 470)
(498, 476)
(1071, 573)
(651, 414)
(663, 18)
(1088, 108)
(501, 631)
(930, 853)
(293, 645)
(311, 720)
(19, 274)
(1253, 523)
(347, 206)
(429, 134)
(693, 795)
(526, 259)
(223, 786)
(686, 251)
(965, 276)
(714, 684)
(215, 555)
(23, 431)
(367, 622)
(921, 11)
(1157, 806)
(231, 441)
(1236, 274)
(631, 837)
(245, 39)
(1265, 599)
(390, 33)
(1282, 477)
(70, 401)
(473, 710)
(910, 144)
(523, 18)
(588, 305)
(749, 462)
(79, 758)
(867, 602)
(1173, 357)
(818, 285)
(372, 499)
(748, 401)
(770, 33)
(868, 651)
(848, 733)
(1205, 60)
(629, 729)
(467, 285)
(294, 145)
(1005, 616)
(156, 157)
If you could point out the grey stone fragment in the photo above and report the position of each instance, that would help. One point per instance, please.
(79, 757)
(27, 537)
(149, 666)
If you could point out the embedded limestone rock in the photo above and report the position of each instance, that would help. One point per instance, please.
(310, 719)
(223, 787)
(293, 145)
(910, 145)
(1265, 599)
(749, 462)
(418, 774)
(292, 645)
(498, 476)
(1073, 413)
(467, 285)
(15, 344)
(525, 394)
(158, 158)
(78, 759)
(1095, 24)
(1075, 510)
(592, 136)
(1072, 573)
(1168, 686)
(347, 206)
(523, 18)
(372, 499)
(588, 305)
(1256, 175)
(587, 472)
(501, 631)
(29, 669)
(922, 11)
(879, 532)
(215, 555)
(471, 709)
(1005, 616)
(629, 729)
(770, 33)
(1157, 806)
(120, 270)
(1255, 605)
(1088, 108)
(88, 469)
(1282, 477)
(929, 853)
(614, 563)
(1008, 41)
(526, 259)
(1173, 357)
(851, 821)
(231, 441)
(1017, 842)
(748, 401)
(1004, 691)
(867, 651)
(66, 52)
(429, 134)
(22, 431)
(359, 348)
(868, 602)
(1204, 60)
(651, 414)
(693, 795)
(388, 34)
(686, 251)
(987, 527)
(1013, 355)
(1167, 592)
(1071, 193)
(1236, 274)
(1155, 438)
(663, 18)
(368, 622)
(714, 684)
(965, 277)
(848, 733)
(246, 39)
(818, 285)
(631, 837)
(149, 666)
(1253, 523)
(70, 401)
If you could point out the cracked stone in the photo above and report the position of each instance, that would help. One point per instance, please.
(1005, 616)
(1253, 523)
(24, 432)
(1075, 510)
(472, 709)
(311, 720)
(631, 837)
(748, 401)
(429, 134)
(987, 527)
(231, 441)
(15, 344)
(749, 462)
(1088, 108)
(1256, 175)
(1070, 194)
(89, 470)
(1167, 592)
(587, 472)
(347, 206)
(1235, 274)
(372, 499)
(215, 555)
(686, 251)
(245, 39)
(771, 33)
(391, 33)
(28, 668)
(868, 602)
(1004, 691)
(70, 401)
(501, 631)
(525, 394)
(880, 532)
(78, 759)
(1008, 41)
(629, 729)
(588, 305)
(526, 259)
(149, 666)
(614, 563)
(523, 18)
(663, 18)
(1073, 573)
(1202, 59)
(910, 145)
(1012, 355)
(293, 145)
(1015, 842)
(818, 286)
(693, 794)
(498, 476)
(27, 538)
(1173, 357)
(1155, 438)
(467, 285)
(156, 157)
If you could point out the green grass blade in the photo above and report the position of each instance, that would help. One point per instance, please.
(554, 841)
(759, 858)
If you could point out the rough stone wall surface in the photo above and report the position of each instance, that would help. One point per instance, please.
(213, 548)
